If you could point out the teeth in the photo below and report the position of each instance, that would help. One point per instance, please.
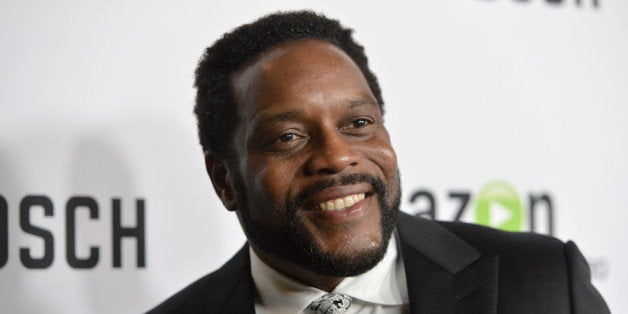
(330, 205)
(349, 201)
(341, 203)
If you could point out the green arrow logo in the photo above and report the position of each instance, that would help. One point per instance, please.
(499, 206)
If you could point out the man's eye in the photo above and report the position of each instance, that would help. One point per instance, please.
(287, 137)
(286, 142)
(359, 123)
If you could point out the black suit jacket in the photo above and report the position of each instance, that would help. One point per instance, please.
(450, 268)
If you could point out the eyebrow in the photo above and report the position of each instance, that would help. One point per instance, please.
(279, 117)
(291, 115)
(361, 101)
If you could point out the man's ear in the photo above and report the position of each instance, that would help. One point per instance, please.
(222, 180)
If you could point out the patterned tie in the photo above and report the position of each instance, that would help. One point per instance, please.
(331, 303)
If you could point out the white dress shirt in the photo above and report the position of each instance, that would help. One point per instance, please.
(380, 290)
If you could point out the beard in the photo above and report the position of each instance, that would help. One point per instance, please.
(290, 240)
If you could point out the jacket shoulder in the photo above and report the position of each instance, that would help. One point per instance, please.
(528, 262)
(213, 291)
(531, 263)
(489, 240)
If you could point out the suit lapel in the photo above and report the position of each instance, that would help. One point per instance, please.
(229, 290)
(241, 300)
(445, 274)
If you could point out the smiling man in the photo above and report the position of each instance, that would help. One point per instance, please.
(291, 122)
(319, 175)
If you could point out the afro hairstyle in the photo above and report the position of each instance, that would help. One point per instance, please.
(215, 107)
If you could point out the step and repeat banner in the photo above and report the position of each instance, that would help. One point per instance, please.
(507, 113)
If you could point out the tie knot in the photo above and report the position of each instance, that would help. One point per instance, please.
(331, 303)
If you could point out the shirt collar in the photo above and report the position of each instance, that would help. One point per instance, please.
(383, 284)
(277, 291)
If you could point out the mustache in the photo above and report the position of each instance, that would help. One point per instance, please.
(378, 186)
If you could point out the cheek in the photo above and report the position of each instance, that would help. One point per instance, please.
(380, 152)
(387, 157)
(271, 180)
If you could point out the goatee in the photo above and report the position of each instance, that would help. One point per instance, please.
(293, 242)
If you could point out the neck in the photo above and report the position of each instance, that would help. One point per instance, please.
(325, 283)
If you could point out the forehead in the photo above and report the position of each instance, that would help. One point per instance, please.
(302, 71)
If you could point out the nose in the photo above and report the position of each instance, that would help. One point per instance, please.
(331, 154)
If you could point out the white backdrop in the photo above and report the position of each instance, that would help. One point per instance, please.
(96, 101)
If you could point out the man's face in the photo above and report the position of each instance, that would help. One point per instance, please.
(316, 177)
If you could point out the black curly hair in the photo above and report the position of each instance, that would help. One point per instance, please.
(215, 107)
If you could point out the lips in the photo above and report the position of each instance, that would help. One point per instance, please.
(316, 197)
(340, 203)
(336, 198)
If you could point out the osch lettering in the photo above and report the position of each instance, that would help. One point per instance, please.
(32, 205)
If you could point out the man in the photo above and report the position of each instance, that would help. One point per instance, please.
(291, 121)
